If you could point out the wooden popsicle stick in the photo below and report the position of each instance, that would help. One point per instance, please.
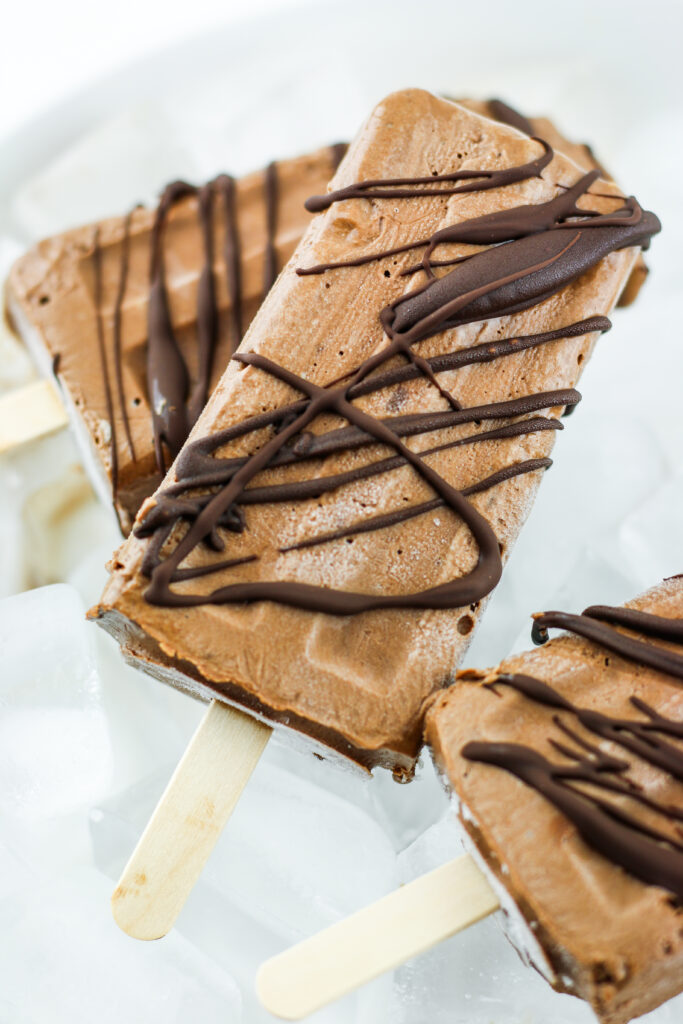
(189, 818)
(30, 412)
(376, 939)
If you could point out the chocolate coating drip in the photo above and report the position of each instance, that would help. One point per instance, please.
(270, 262)
(650, 854)
(176, 402)
(535, 250)
(600, 632)
(411, 188)
(506, 114)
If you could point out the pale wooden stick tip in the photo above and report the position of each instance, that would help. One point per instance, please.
(187, 822)
(30, 412)
(378, 938)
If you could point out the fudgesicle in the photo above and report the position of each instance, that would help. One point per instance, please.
(567, 768)
(322, 548)
(111, 307)
(84, 301)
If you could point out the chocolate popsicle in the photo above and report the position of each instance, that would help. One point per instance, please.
(50, 297)
(115, 309)
(567, 768)
(320, 552)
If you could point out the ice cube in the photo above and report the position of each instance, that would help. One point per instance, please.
(603, 472)
(405, 811)
(21, 472)
(650, 541)
(64, 960)
(62, 520)
(55, 754)
(294, 856)
(438, 844)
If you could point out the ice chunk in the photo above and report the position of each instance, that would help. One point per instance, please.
(405, 811)
(55, 754)
(650, 541)
(21, 473)
(437, 845)
(294, 856)
(604, 470)
(62, 520)
(64, 960)
(229, 930)
(328, 859)
(401, 811)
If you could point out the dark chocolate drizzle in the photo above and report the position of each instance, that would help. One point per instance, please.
(409, 188)
(271, 197)
(646, 852)
(596, 624)
(176, 401)
(537, 251)
(503, 112)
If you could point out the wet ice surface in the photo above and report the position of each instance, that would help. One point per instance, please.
(87, 744)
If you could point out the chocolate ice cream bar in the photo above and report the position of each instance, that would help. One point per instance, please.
(567, 768)
(99, 351)
(137, 316)
(322, 548)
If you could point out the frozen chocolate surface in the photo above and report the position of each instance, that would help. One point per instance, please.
(138, 395)
(323, 545)
(139, 315)
(567, 764)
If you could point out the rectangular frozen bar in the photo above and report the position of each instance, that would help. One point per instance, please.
(566, 765)
(81, 302)
(48, 293)
(332, 577)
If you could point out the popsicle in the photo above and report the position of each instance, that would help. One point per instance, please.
(136, 317)
(50, 299)
(323, 547)
(566, 768)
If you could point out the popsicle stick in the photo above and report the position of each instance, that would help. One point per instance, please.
(30, 412)
(187, 822)
(376, 939)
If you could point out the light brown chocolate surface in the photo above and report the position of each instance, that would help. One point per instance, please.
(51, 301)
(610, 938)
(359, 682)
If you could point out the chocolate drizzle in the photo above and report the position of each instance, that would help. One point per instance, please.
(270, 262)
(595, 625)
(410, 188)
(535, 251)
(647, 852)
(174, 399)
(506, 114)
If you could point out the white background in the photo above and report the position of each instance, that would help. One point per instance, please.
(50, 50)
